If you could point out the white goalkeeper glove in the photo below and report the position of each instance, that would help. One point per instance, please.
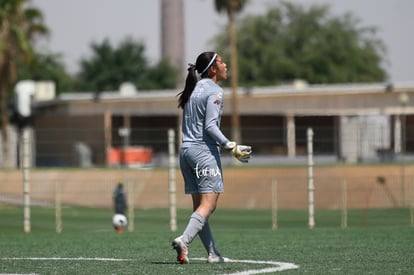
(242, 152)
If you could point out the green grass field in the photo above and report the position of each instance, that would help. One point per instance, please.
(378, 241)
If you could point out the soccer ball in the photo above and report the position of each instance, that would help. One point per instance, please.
(119, 222)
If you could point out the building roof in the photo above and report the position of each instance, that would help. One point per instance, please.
(296, 99)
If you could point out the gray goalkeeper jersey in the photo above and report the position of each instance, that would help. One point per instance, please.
(202, 116)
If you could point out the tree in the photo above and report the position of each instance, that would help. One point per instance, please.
(231, 7)
(20, 25)
(161, 76)
(48, 67)
(293, 42)
(109, 67)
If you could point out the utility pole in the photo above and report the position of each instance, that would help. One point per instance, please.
(173, 35)
(235, 116)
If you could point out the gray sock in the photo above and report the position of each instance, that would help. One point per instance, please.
(207, 238)
(194, 226)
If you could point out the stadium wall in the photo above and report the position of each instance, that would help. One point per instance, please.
(367, 186)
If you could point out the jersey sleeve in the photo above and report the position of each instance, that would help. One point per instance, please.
(212, 123)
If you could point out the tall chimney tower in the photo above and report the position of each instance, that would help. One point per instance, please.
(172, 35)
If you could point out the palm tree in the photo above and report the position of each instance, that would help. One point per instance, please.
(232, 7)
(19, 26)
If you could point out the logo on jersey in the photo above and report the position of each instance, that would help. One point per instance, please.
(217, 102)
(207, 172)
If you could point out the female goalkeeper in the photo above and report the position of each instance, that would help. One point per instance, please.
(202, 103)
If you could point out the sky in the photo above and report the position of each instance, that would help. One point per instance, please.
(75, 24)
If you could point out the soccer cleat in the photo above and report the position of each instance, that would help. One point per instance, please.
(214, 258)
(182, 251)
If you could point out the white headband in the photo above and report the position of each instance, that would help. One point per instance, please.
(209, 64)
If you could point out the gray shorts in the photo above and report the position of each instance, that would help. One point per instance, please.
(201, 169)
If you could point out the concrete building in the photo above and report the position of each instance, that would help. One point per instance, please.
(352, 123)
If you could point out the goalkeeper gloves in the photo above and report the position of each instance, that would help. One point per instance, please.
(242, 152)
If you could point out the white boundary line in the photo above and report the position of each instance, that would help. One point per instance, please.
(66, 259)
(277, 266)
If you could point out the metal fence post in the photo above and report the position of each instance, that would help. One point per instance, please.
(172, 180)
(311, 187)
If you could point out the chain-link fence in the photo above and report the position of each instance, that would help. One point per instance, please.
(339, 189)
(360, 141)
(76, 168)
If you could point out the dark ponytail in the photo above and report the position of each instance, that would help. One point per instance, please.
(190, 83)
(202, 65)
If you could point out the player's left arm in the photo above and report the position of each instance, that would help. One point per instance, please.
(211, 122)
